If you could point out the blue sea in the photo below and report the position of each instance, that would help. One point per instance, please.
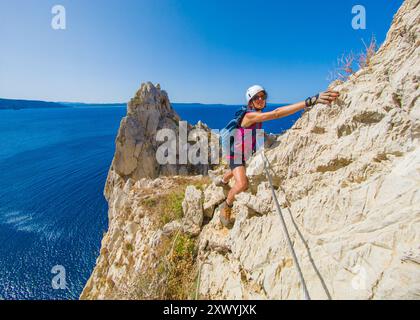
(53, 167)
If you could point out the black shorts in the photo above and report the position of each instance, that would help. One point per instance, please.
(236, 163)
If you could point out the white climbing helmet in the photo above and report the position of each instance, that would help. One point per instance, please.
(252, 91)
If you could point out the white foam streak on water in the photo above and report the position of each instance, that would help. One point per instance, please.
(26, 222)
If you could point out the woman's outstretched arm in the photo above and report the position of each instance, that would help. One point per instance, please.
(255, 117)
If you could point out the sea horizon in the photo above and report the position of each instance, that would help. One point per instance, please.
(103, 104)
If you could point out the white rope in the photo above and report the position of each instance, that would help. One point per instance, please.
(286, 232)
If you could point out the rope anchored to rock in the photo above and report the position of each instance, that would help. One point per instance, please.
(285, 231)
(291, 249)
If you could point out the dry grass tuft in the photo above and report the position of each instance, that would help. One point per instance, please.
(348, 64)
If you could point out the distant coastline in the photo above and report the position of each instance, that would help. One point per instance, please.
(82, 104)
(15, 104)
(11, 104)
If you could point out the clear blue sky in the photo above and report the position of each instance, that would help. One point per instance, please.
(205, 51)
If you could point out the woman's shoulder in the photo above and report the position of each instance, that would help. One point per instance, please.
(244, 119)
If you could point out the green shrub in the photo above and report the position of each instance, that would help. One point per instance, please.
(174, 277)
(170, 207)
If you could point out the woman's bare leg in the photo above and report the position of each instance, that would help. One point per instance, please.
(241, 183)
(227, 176)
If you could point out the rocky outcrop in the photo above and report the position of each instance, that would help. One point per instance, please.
(192, 207)
(135, 153)
(347, 178)
(136, 144)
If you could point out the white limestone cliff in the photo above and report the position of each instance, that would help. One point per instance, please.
(347, 178)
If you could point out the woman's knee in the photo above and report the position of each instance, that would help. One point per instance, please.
(243, 185)
(241, 180)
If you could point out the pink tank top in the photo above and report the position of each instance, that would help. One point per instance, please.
(245, 141)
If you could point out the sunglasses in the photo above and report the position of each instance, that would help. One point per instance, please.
(263, 97)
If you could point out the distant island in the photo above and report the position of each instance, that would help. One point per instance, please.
(7, 104)
(13, 104)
